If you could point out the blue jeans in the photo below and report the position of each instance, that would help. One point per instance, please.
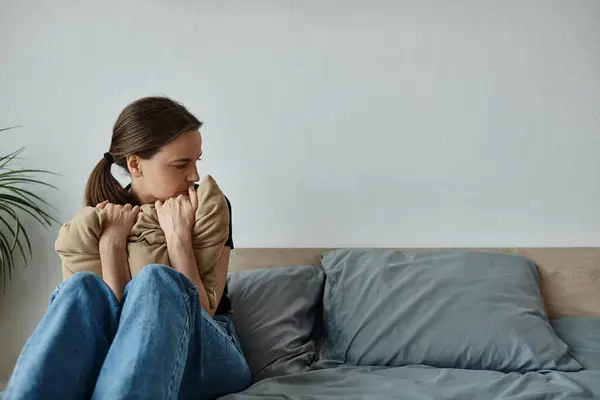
(158, 344)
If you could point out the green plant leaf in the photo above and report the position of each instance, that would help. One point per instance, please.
(26, 193)
(28, 171)
(21, 228)
(37, 217)
(20, 177)
(25, 182)
(16, 237)
(8, 262)
(4, 160)
(29, 207)
(9, 128)
(17, 197)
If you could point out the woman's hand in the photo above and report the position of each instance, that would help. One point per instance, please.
(177, 216)
(117, 223)
(116, 227)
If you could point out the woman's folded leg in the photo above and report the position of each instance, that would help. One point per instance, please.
(216, 366)
(64, 355)
(167, 346)
(149, 351)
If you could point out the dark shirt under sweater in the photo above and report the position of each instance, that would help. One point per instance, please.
(224, 306)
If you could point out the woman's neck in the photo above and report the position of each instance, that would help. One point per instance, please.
(139, 197)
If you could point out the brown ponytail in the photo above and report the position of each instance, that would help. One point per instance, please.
(102, 185)
(141, 129)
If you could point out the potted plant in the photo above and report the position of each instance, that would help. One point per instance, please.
(16, 200)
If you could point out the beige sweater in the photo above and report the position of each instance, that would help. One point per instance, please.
(77, 243)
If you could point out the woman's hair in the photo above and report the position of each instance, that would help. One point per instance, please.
(142, 128)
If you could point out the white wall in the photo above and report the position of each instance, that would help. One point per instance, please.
(328, 123)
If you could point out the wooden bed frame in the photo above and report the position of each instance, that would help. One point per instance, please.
(570, 277)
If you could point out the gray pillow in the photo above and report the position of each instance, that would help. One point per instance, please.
(582, 335)
(444, 309)
(274, 316)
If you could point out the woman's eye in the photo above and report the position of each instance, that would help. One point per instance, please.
(179, 166)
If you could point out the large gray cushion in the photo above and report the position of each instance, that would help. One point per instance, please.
(582, 335)
(444, 309)
(275, 313)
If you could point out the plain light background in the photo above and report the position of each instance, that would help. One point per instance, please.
(327, 123)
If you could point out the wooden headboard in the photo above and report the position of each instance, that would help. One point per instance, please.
(570, 276)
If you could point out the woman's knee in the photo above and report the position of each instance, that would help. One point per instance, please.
(154, 272)
(86, 284)
(160, 286)
(86, 279)
(158, 274)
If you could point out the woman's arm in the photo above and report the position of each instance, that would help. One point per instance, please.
(115, 267)
(183, 260)
(112, 244)
(176, 217)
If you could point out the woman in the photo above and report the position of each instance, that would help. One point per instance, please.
(154, 336)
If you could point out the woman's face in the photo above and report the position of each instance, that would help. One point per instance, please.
(170, 172)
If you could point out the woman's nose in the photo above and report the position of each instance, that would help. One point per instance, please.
(193, 175)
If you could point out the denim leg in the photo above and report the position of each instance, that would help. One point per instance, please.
(63, 356)
(215, 365)
(149, 352)
(167, 346)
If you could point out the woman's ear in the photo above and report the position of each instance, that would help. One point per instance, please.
(134, 166)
